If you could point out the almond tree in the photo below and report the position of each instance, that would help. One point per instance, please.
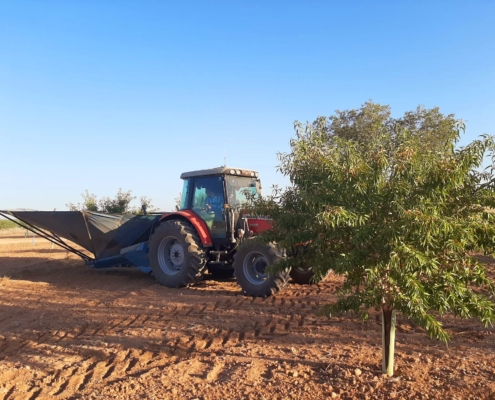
(120, 204)
(397, 209)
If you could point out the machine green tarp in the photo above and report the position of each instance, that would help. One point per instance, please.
(104, 235)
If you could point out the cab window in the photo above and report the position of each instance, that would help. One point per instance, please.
(184, 195)
(241, 190)
(208, 201)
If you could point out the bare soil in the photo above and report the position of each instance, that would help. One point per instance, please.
(70, 332)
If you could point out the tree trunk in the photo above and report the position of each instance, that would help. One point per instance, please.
(388, 341)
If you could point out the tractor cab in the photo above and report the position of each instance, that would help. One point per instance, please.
(217, 196)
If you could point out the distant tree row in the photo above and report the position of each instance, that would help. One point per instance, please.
(6, 224)
(120, 204)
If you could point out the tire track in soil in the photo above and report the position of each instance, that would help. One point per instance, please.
(59, 335)
(87, 376)
(203, 341)
(215, 341)
(200, 310)
(191, 346)
(70, 385)
(254, 371)
(211, 341)
(35, 394)
(225, 373)
(97, 329)
(98, 371)
(81, 330)
(287, 326)
(161, 317)
(11, 347)
(216, 369)
(9, 393)
(117, 363)
(152, 323)
(212, 306)
(132, 358)
(132, 364)
(139, 320)
(69, 377)
(118, 325)
(249, 334)
(182, 344)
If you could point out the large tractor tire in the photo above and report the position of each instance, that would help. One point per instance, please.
(176, 254)
(250, 264)
(302, 275)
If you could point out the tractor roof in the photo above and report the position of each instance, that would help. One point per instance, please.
(219, 171)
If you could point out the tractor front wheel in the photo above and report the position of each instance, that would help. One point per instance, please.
(251, 261)
(177, 257)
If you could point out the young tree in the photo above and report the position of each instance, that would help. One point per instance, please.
(145, 205)
(120, 204)
(394, 207)
(177, 201)
(90, 203)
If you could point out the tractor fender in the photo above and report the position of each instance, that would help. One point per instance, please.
(198, 223)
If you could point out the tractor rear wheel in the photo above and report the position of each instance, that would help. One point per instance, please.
(250, 264)
(177, 257)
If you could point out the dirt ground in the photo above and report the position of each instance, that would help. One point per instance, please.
(70, 332)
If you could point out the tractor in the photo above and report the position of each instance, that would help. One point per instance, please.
(210, 231)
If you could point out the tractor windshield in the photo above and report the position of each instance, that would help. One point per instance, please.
(241, 189)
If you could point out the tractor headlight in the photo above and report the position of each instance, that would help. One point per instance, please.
(252, 173)
(232, 172)
(238, 172)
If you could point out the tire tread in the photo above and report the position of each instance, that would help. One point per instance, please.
(196, 255)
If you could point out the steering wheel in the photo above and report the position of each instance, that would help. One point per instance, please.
(208, 209)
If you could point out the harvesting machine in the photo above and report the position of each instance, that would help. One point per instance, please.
(209, 232)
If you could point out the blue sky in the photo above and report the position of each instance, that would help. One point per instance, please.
(102, 95)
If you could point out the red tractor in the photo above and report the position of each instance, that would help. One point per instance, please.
(210, 232)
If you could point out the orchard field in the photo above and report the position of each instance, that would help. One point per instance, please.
(70, 332)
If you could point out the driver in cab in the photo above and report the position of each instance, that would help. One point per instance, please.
(213, 201)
